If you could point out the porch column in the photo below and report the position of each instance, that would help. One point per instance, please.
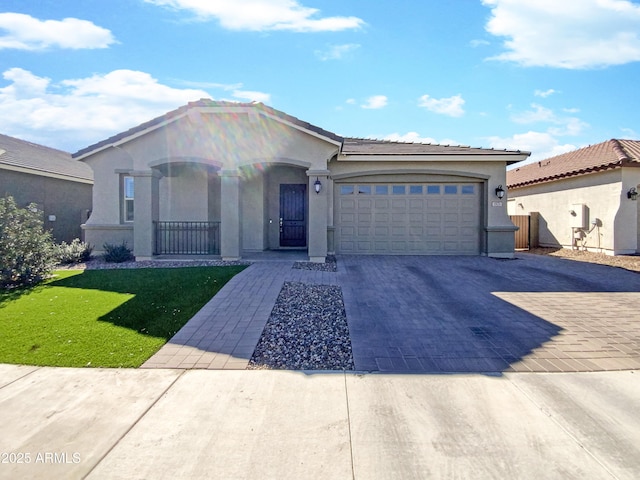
(146, 210)
(230, 215)
(318, 213)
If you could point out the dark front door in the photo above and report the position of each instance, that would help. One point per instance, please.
(293, 222)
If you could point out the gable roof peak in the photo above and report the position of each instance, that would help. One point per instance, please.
(197, 104)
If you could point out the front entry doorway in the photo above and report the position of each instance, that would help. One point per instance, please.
(293, 221)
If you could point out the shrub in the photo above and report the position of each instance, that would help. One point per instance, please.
(117, 253)
(27, 251)
(74, 252)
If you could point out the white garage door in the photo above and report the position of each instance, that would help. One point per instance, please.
(409, 219)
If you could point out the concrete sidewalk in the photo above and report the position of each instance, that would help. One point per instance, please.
(121, 424)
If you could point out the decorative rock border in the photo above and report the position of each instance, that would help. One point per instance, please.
(307, 330)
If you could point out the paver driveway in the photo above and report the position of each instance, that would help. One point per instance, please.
(437, 315)
(477, 314)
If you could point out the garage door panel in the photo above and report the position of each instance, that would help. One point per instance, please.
(365, 204)
(381, 247)
(416, 218)
(347, 218)
(409, 218)
(416, 204)
(399, 204)
(364, 246)
(399, 246)
(347, 203)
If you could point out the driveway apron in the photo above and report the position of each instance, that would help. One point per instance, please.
(478, 314)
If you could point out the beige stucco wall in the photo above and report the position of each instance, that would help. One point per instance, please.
(603, 194)
(497, 238)
(252, 212)
(257, 154)
(185, 196)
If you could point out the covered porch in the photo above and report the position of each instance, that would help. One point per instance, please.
(192, 209)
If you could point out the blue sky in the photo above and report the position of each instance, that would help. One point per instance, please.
(538, 75)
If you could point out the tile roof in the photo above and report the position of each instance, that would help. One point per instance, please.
(594, 158)
(206, 103)
(40, 159)
(350, 146)
(366, 146)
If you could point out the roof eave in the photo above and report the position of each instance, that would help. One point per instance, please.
(574, 173)
(438, 156)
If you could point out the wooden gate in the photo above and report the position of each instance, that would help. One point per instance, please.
(523, 235)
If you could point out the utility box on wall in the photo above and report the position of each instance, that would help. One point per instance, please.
(579, 216)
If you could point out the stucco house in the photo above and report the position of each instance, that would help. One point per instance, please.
(585, 199)
(61, 186)
(226, 178)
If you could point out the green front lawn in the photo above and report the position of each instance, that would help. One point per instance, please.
(103, 318)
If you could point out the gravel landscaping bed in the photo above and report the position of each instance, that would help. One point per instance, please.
(330, 265)
(307, 330)
(100, 264)
(628, 262)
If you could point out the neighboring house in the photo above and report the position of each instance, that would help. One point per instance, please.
(583, 199)
(227, 178)
(61, 186)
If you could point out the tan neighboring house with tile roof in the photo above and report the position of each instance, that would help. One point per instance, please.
(584, 199)
(224, 178)
(61, 186)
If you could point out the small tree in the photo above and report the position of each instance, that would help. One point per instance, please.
(27, 251)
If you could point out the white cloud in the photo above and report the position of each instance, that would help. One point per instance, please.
(375, 102)
(451, 106)
(23, 32)
(630, 134)
(410, 137)
(538, 114)
(564, 125)
(415, 137)
(566, 34)
(262, 15)
(478, 43)
(251, 96)
(74, 113)
(541, 145)
(544, 93)
(337, 52)
(350, 101)
(236, 90)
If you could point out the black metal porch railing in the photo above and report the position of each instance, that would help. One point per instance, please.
(187, 238)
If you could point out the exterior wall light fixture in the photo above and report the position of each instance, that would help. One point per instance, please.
(499, 192)
(632, 193)
(317, 185)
